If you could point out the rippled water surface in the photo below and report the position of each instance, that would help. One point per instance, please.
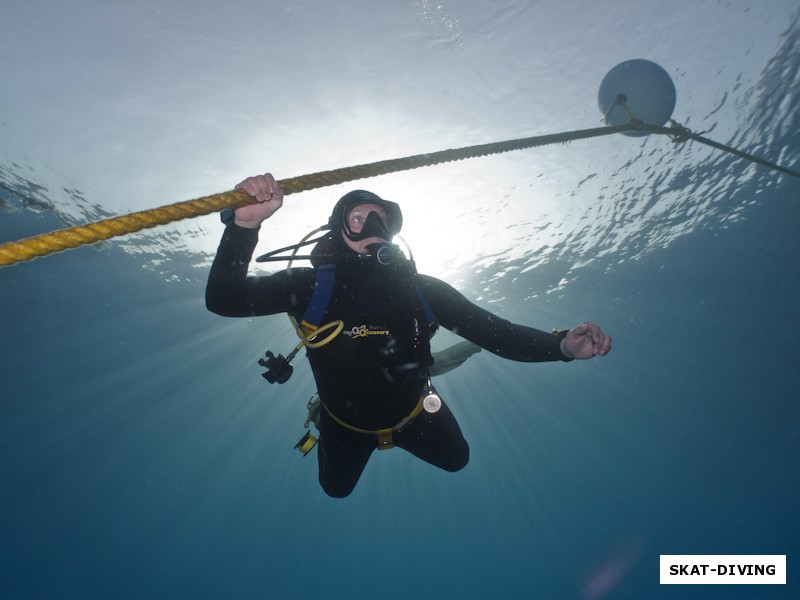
(142, 454)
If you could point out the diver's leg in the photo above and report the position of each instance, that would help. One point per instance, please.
(436, 438)
(342, 456)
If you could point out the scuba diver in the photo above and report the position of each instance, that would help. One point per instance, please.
(366, 318)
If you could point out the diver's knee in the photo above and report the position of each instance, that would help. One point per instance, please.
(460, 460)
(336, 489)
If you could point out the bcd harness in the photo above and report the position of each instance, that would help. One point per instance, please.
(309, 330)
(321, 298)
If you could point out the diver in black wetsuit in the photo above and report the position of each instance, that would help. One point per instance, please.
(373, 377)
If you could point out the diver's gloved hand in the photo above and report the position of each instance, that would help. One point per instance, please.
(269, 198)
(585, 341)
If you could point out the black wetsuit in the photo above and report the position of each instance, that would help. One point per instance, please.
(372, 375)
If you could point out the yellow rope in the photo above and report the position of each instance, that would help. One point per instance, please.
(64, 239)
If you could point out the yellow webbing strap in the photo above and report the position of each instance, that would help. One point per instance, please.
(385, 436)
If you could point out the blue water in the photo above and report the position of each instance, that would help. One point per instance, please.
(142, 455)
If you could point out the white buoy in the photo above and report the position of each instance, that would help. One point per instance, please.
(638, 89)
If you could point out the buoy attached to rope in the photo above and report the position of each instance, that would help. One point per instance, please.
(637, 98)
(637, 89)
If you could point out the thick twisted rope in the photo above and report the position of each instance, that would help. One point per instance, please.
(64, 239)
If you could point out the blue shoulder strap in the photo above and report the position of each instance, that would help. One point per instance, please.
(430, 317)
(323, 290)
(321, 297)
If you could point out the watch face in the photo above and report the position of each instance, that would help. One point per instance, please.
(226, 216)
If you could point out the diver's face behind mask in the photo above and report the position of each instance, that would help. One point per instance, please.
(365, 225)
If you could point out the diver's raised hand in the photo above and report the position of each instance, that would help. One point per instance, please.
(269, 199)
(585, 341)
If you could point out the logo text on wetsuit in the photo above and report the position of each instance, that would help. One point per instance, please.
(362, 331)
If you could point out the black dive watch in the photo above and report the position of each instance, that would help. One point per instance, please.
(561, 334)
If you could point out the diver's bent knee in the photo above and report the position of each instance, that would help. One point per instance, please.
(336, 490)
(460, 461)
